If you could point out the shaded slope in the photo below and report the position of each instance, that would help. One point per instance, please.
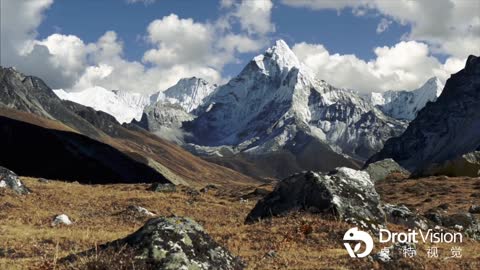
(37, 151)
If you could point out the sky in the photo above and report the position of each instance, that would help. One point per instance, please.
(148, 45)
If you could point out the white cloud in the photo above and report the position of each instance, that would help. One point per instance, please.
(255, 16)
(448, 26)
(180, 47)
(404, 66)
(179, 41)
(383, 25)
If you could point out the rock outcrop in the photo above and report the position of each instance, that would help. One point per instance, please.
(382, 169)
(174, 243)
(9, 179)
(345, 193)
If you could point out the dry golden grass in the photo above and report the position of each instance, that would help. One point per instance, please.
(300, 241)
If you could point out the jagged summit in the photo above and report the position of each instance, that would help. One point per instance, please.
(278, 58)
(405, 105)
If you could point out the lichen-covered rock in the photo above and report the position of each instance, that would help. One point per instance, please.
(9, 179)
(162, 187)
(380, 170)
(346, 193)
(400, 214)
(172, 243)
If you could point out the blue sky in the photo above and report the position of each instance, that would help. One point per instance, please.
(340, 32)
(148, 45)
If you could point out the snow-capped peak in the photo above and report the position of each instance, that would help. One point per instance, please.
(124, 106)
(406, 104)
(188, 93)
(278, 58)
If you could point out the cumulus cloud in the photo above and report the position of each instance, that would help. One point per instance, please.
(451, 27)
(404, 66)
(179, 47)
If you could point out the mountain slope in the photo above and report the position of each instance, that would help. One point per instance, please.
(30, 94)
(124, 106)
(43, 151)
(444, 129)
(405, 105)
(276, 105)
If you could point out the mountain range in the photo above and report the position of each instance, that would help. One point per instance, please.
(275, 113)
(274, 119)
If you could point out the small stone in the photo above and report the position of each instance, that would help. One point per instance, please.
(61, 219)
(271, 254)
(140, 210)
(43, 180)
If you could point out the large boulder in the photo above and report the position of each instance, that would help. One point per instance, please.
(9, 179)
(345, 193)
(465, 165)
(382, 169)
(172, 243)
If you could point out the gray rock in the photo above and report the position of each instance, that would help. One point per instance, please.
(380, 170)
(161, 187)
(9, 179)
(174, 243)
(474, 209)
(208, 187)
(465, 222)
(43, 180)
(345, 193)
(401, 215)
(465, 165)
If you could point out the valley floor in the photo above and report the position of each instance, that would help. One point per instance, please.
(297, 241)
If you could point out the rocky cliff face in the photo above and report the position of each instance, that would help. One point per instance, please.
(444, 129)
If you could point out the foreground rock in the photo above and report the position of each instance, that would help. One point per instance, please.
(345, 193)
(382, 169)
(9, 179)
(401, 215)
(465, 165)
(174, 243)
